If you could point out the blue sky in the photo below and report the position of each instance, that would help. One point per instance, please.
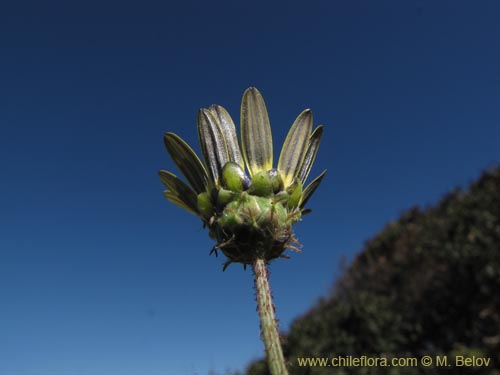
(99, 275)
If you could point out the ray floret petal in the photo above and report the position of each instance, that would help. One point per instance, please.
(180, 189)
(187, 161)
(256, 137)
(213, 145)
(310, 155)
(228, 130)
(295, 146)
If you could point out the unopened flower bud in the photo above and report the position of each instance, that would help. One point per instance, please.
(261, 184)
(234, 178)
(276, 180)
(224, 197)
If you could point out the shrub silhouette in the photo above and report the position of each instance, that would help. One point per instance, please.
(427, 284)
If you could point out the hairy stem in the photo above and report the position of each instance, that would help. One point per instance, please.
(268, 326)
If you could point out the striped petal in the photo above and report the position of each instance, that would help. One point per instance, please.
(179, 188)
(310, 155)
(213, 144)
(311, 188)
(295, 146)
(256, 134)
(229, 132)
(187, 161)
(174, 198)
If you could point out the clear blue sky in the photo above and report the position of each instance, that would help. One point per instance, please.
(99, 275)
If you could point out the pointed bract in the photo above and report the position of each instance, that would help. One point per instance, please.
(295, 146)
(311, 188)
(256, 135)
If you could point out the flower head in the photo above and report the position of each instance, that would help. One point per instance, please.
(248, 206)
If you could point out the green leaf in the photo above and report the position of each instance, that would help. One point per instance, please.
(179, 188)
(187, 161)
(229, 132)
(295, 146)
(310, 155)
(172, 197)
(256, 134)
(311, 188)
(213, 144)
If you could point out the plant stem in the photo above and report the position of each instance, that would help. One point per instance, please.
(268, 326)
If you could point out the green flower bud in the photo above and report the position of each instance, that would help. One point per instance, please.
(224, 197)
(295, 191)
(261, 184)
(205, 205)
(234, 178)
(276, 180)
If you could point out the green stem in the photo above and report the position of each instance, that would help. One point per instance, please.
(268, 326)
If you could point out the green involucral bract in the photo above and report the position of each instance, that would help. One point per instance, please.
(251, 227)
(295, 192)
(251, 220)
(205, 206)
